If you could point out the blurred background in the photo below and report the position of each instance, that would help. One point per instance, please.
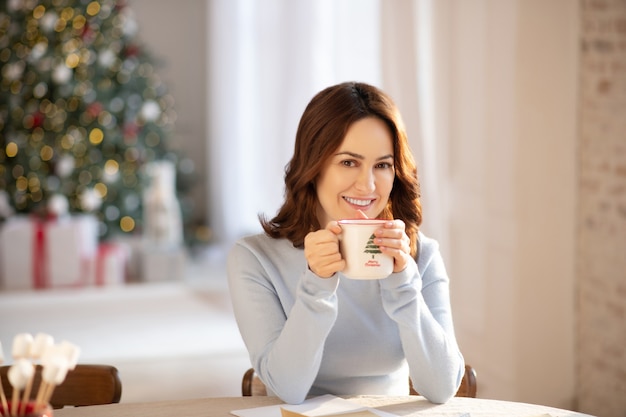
(515, 110)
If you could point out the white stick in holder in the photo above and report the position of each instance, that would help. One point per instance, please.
(53, 374)
(71, 352)
(22, 347)
(56, 360)
(41, 343)
(3, 398)
(22, 344)
(37, 348)
(19, 374)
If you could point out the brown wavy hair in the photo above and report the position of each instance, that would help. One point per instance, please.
(321, 131)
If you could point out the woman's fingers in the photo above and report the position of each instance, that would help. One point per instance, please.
(321, 250)
(393, 240)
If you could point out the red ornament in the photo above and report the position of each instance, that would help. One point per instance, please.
(130, 132)
(38, 118)
(94, 109)
(120, 5)
(132, 50)
(87, 34)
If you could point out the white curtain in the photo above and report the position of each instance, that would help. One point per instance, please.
(415, 70)
(268, 58)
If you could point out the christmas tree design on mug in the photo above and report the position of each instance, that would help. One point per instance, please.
(364, 258)
(371, 247)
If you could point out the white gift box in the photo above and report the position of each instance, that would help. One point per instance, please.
(36, 253)
(162, 264)
(110, 266)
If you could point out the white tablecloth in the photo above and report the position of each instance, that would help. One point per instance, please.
(409, 406)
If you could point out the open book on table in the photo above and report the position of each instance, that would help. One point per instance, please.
(323, 406)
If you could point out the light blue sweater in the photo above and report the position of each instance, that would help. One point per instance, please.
(309, 336)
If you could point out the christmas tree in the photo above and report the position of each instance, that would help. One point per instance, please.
(371, 247)
(82, 111)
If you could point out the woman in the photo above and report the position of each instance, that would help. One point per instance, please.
(308, 329)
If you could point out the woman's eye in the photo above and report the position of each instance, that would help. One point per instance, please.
(348, 163)
(384, 165)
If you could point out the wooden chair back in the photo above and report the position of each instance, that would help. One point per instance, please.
(467, 388)
(85, 385)
(251, 384)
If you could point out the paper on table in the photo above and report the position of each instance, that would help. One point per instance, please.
(361, 413)
(325, 405)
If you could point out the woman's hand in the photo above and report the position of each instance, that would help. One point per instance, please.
(321, 250)
(393, 240)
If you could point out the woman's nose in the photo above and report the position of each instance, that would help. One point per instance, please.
(365, 182)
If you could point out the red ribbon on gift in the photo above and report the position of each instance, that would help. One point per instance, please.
(41, 278)
(40, 261)
(104, 251)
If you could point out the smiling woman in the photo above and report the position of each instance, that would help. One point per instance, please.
(351, 159)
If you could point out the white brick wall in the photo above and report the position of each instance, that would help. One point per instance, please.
(601, 249)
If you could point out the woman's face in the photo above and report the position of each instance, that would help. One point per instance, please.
(359, 175)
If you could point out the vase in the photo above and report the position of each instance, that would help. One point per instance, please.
(27, 410)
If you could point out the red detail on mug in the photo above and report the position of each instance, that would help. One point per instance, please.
(372, 262)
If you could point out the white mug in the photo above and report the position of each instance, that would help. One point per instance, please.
(364, 259)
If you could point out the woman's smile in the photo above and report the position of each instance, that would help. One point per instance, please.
(359, 202)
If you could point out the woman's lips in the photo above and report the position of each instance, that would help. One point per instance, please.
(359, 202)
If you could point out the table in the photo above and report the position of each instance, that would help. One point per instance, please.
(408, 406)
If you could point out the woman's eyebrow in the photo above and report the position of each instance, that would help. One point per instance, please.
(358, 156)
(352, 154)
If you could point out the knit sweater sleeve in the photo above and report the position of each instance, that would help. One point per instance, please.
(284, 334)
(418, 300)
